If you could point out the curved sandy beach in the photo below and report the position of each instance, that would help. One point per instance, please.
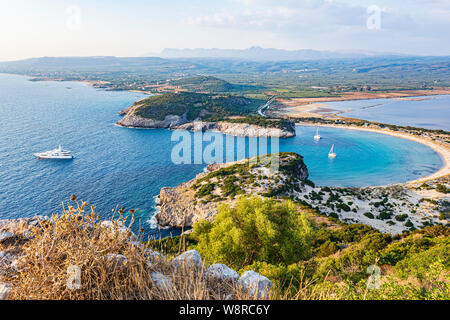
(441, 149)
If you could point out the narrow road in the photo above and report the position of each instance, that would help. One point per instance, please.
(265, 107)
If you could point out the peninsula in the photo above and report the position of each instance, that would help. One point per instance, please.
(229, 114)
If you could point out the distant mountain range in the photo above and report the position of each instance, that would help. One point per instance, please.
(268, 54)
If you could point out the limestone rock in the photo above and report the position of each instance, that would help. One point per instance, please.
(7, 236)
(161, 281)
(257, 285)
(222, 272)
(5, 291)
(188, 258)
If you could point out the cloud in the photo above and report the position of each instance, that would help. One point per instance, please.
(268, 15)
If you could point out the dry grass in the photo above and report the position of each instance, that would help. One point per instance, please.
(76, 238)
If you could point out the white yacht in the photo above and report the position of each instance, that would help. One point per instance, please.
(317, 136)
(332, 154)
(59, 153)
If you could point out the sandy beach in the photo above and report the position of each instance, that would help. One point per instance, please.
(441, 149)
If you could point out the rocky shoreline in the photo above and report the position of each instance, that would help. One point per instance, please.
(174, 122)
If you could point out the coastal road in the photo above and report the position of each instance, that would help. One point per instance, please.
(265, 107)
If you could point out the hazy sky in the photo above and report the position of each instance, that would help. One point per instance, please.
(133, 28)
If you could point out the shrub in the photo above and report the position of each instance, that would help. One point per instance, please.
(369, 215)
(255, 230)
(327, 249)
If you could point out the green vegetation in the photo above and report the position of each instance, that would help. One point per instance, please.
(233, 180)
(443, 189)
(195, 105)
(312, 78)
(264, 122)
(210, 84)
(309, 261)
(255, 231)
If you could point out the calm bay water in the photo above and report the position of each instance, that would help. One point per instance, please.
(431, 112)
(116, 166)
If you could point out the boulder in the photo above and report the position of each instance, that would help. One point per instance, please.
(5, 291)
(7, 236)
(222, 272)
(188, 258)
(6, 258)
(161, 281)
(256, 285)
(154, 256)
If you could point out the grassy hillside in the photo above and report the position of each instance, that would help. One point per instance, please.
(196, 105)
(210, 84)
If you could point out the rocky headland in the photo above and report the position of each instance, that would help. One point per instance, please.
(198, 198)
(197, 112)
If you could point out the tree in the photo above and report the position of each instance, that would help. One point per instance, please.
(255, 230)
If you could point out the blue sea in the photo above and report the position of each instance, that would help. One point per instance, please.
(116, 166)
(431, 112)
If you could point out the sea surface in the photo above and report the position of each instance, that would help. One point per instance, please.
(431, 112)
(115, 166)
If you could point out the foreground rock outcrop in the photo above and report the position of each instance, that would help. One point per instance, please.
(179, 277)
(198, 198)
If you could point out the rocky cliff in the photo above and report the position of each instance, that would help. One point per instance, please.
(132, 120)
(239, 129)
(198, 198)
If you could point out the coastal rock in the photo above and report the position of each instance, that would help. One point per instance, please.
(188, 258)
(132, 120)
(178, 207)
(239, 129)
(161, 281)
(222, 272)
(257, 285)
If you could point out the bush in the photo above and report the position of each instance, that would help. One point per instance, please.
(327, 249)
(369, 215)
(255, 230)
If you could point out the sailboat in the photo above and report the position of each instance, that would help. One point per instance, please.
(332, 154)
(317, 136)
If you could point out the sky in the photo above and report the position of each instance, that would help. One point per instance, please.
(35, 28)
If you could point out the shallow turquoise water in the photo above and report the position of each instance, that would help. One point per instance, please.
(116, 166)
